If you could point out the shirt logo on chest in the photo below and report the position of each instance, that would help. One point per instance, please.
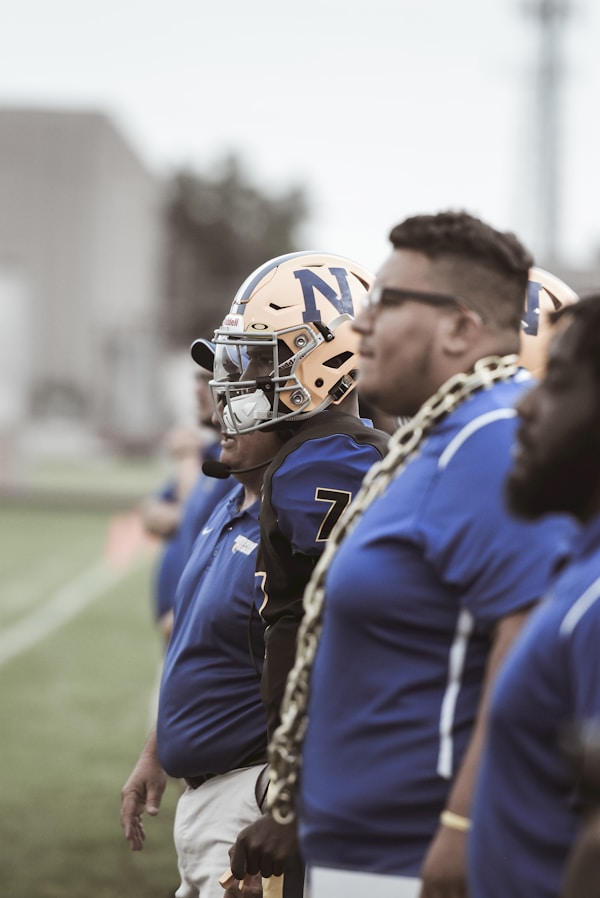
(244, 545)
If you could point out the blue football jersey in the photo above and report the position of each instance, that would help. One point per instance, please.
(307, 487)
(412, 597)
(526, 805)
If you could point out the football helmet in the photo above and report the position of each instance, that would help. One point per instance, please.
(286, 350)
(545, 294)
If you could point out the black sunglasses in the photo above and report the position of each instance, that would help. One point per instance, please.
(382, 297)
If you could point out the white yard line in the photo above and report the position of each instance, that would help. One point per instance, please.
(21, 592)
(59, 609)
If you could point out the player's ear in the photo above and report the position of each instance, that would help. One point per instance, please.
(461, 329)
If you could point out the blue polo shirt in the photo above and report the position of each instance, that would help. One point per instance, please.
(210, 717)
(206, 493)
(412, 598)
(525, 814)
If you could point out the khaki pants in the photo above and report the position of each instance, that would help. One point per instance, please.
(207, 823)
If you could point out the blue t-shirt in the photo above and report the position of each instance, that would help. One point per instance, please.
(205, 495)
(210, 716)
(412, 597)
(525, 817)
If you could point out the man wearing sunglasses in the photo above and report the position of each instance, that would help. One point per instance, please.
(425, 582)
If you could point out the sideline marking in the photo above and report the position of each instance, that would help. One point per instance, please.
(60, 608)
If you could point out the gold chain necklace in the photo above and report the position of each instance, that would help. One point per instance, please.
(285, 749)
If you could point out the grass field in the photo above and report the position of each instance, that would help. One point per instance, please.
(74, 710)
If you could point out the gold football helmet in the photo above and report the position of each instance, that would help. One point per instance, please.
(286, 350)
(545, 294)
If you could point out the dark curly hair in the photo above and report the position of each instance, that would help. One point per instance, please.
(487, 266)
(586, 315)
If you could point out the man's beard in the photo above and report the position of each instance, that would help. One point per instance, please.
(560, 488)
(527, 499)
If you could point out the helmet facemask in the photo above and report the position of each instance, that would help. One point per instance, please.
(256, 378)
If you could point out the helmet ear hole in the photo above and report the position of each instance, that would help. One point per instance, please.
(338, 360)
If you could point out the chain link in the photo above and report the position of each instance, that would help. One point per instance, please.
(285, 749)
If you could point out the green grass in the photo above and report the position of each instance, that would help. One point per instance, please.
(119, 475)
(39, 555)
(74, 713)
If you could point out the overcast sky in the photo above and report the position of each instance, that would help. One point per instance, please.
(381, 108)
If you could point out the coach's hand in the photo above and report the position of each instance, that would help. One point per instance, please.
(250, 887)
(444, 871)
(142, 792)
(263, 847)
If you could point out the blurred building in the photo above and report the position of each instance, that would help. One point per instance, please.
(80, 263)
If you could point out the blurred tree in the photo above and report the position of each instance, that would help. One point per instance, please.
(219, 230)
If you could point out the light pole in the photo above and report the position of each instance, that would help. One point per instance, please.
(551, 17)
